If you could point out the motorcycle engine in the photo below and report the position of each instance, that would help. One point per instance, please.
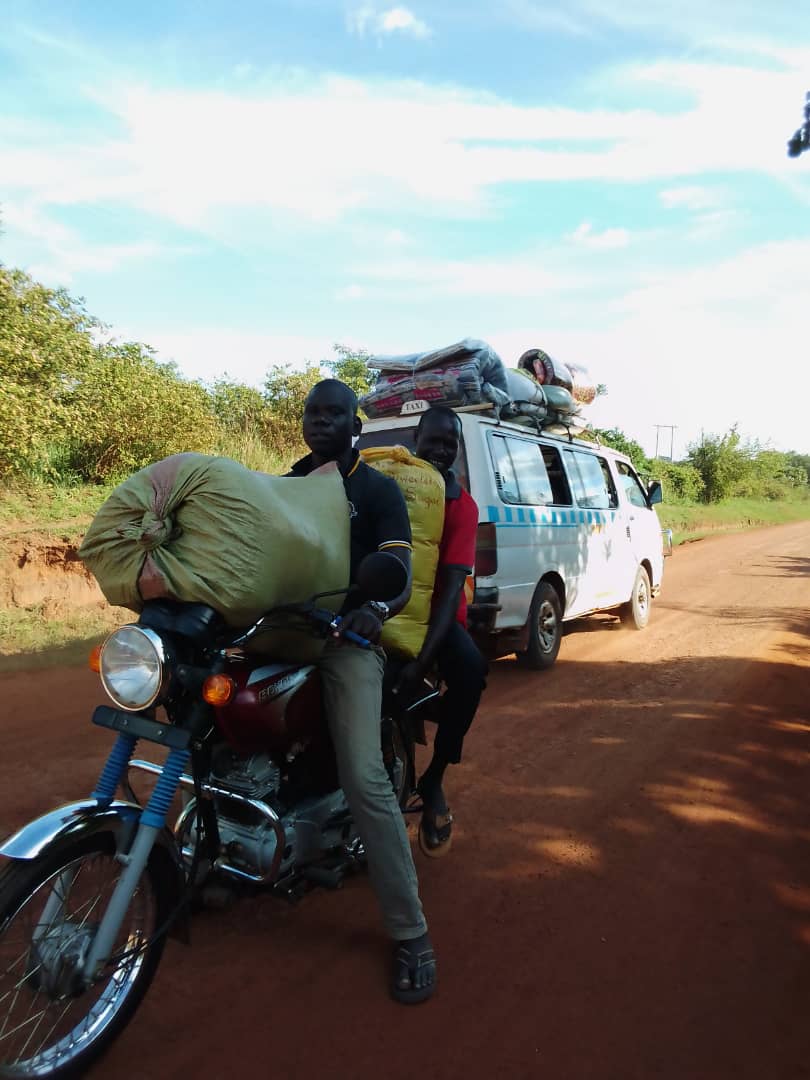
(312, 824)
(255, 776)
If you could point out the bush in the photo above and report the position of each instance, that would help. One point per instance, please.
(45, 343)
(682, 483)
(128, 410)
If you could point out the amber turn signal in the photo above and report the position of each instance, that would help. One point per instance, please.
(94, 659)
(218, 689)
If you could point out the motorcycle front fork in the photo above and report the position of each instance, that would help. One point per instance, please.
(134, 861)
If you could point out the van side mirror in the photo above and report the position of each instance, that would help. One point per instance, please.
(655, 493)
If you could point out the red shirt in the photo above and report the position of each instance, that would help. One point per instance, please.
(457, 547)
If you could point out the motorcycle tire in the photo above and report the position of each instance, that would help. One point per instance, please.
(39, 994)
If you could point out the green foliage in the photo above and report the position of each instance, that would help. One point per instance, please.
(617, 439)
(45, 342)
(730, 467)
(239, 408)
(129, 410)
(722, 461)
(682, 483)
(350, 366)
(285, 392)
(800, 461)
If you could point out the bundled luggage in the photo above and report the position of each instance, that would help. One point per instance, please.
(469, 372)
(423, 488)
(207, 530)
(541, 391)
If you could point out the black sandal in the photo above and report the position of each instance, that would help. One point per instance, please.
(435, 830)
(404, 966)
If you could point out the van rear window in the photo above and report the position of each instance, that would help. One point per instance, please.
(406, 436)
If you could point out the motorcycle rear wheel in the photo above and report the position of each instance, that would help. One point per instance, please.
(51, 1027)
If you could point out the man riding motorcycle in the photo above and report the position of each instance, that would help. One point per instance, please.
(352, 681)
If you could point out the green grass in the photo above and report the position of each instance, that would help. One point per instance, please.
(30, 640)
(40, 507)
(690, 521)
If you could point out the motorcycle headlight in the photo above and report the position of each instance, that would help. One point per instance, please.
(133, 667)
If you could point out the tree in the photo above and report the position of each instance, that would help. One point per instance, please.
(722, 461)
(45, 344)
(285, 392)
(130, 410)
(800, 461)
(617, 439)
(239, 408)
(351, 366)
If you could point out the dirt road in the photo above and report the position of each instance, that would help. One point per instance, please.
(628, 896)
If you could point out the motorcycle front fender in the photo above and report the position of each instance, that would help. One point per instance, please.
(76, 821)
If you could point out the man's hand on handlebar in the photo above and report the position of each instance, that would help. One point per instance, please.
(361, 621)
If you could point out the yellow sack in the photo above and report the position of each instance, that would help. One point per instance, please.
(423, 488)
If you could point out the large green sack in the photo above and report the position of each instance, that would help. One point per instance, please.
(208, 530)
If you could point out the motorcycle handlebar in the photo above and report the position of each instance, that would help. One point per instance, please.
(316, 615)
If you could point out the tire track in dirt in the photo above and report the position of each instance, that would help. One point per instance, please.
(628, 895)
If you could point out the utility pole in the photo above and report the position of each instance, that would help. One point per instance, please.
(671, 428)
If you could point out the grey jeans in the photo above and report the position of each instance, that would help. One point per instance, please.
(352, 691)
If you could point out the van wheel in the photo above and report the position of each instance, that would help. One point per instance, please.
(636, 612)
(545, 629)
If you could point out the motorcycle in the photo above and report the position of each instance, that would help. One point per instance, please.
(89, 892)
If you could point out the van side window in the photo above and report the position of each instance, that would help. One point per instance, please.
(527, 473)
(560, 491)
(632, 485)
(505, 476)
(593, 484)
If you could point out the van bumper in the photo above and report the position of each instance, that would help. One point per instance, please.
(483, 611)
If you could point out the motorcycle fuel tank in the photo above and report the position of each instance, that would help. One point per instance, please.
(275, 706)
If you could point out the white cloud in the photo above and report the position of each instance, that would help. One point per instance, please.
(693, 198)
(703, 349)
(324, 147)
(608, 240)
(66, 253)
(394, 20)
(208, 353)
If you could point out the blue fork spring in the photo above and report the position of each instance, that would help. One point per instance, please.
(116, 766)
(165, 789)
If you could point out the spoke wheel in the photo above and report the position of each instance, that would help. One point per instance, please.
(51, 1023)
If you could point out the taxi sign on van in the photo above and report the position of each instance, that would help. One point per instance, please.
(409, 408)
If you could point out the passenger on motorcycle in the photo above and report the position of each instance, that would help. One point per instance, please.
(447, 644)
(352, 681)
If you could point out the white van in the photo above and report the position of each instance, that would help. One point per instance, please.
(566, 528)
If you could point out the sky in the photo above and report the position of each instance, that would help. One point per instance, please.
(244, 184)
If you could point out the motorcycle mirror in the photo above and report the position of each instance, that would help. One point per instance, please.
(381, 576)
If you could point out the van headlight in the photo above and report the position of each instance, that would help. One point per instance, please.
(133, 667)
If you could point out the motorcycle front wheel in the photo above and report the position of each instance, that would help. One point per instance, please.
(52, 1025)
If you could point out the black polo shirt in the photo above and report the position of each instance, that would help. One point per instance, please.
(379, 516)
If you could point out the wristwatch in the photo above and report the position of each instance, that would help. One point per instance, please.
(381, 610)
